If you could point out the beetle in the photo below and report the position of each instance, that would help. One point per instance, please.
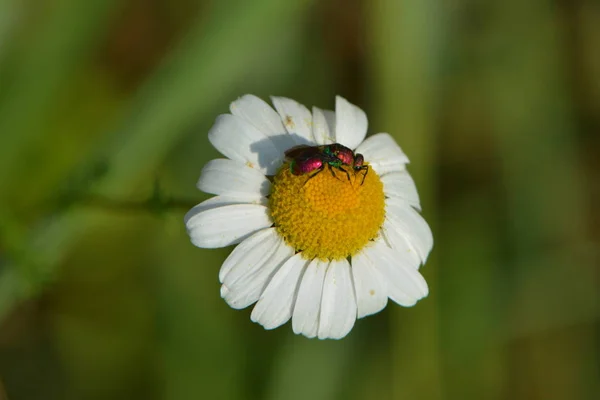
(306, 159)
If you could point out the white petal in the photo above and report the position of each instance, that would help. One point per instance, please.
(308, 303)
(383, 154)
(224, 291)
(239, 140)
(251, 265)
(397, 241)
(330, 118)
(248, 289)
(277, 301)
(245, 253)
(338, 305)
(400, 184)
(404, 283)
(260, 114)
(371, 292)
(220, 201)
(227, 225)
(350, 123)
(232, 178)
(411, 225)
(321, 132)
(296, 118)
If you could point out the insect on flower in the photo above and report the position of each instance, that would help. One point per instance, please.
(307, 159)
(324, 256)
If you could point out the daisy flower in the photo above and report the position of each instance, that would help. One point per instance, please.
(323, 237)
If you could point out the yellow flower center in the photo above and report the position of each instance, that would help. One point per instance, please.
(327, 214)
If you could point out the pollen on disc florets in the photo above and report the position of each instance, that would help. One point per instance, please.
(327, 215)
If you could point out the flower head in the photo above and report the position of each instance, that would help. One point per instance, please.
(325, 219)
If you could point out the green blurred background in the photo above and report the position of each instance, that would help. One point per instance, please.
(104, 111)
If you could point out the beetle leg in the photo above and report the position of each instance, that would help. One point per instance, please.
(346, 172)
(366, 168)
(341, 169)
(331, 170)
(362, 168)
(315, 173)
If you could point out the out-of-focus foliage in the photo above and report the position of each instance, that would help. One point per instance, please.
(104, 110)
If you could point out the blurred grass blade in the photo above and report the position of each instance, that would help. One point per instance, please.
(39, 71)
(9, 13)
(533, 126)
(406, 38)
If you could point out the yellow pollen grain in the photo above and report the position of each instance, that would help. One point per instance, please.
(327, 215)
